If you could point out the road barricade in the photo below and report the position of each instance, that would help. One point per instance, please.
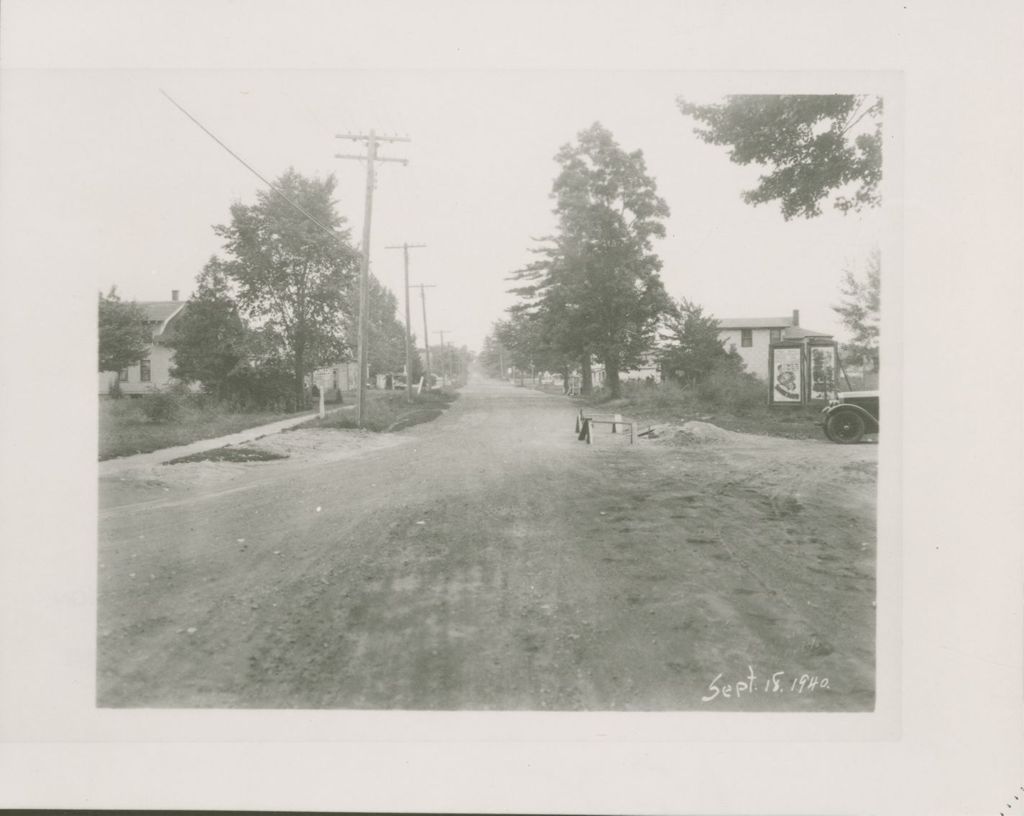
(585, 426)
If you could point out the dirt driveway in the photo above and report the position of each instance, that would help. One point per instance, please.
(488, 560)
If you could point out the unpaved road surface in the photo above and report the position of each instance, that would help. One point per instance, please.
(488, 560)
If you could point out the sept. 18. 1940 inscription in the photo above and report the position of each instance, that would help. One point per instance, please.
(775, 683)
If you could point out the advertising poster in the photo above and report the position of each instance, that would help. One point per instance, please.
(823, 372)
(786, 375)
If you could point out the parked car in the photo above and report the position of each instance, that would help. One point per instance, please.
(852, 415)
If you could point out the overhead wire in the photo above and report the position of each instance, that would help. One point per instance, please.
(252, 169)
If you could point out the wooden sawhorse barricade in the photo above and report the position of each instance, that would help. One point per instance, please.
(585, 426)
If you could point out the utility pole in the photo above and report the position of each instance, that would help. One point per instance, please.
(444, 357)
(371, 156)
(426, 334)
(408, 321)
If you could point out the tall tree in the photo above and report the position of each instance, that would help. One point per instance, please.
(210, 339)
(605, 275)
(546, 324)
(860, 311)
(516, 339)
(293, 279)
(124, 336)
(811, 145)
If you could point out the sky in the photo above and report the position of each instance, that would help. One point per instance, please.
(150, 184)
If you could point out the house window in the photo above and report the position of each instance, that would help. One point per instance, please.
(746, 338)
(144, 375)
(123, 375)
(776, 335)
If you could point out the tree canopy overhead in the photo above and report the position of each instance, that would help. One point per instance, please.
(812, 146)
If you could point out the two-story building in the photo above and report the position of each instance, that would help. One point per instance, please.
(751, 337)
(153, 371)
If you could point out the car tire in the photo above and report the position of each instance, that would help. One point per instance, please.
(845, 427)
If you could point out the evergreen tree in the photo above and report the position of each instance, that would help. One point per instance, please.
(596, 291)
(860, 312)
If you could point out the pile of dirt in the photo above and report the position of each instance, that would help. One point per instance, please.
(695, 432)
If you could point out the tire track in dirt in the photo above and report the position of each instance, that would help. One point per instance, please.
(492, 562)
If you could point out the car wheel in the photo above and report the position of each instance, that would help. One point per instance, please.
(845, 427)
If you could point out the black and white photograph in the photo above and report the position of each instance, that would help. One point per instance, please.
(501, 387)
(442, 412)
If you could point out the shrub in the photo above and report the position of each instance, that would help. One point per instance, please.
(728, 389)
(162, 406)
(262, 387)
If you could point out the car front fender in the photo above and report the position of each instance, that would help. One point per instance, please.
(870, 422)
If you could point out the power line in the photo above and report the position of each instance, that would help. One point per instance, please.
(250, 168)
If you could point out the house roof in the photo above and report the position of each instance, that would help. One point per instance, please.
(157, 311)
(161, 312)
(755, 323)
(799, 333)
(790, 332)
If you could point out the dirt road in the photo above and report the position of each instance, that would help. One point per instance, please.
(488, 560)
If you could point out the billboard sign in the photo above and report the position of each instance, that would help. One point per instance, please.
(787, 374)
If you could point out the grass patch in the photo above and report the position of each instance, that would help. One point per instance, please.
(229, 454)
(389, 411)
(734, 405)
(124, 428)
(791, 423)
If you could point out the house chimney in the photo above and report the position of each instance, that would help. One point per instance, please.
(796, 316)
(174, 295)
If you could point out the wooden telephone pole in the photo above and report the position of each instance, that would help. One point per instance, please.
(371, 156)
(408, 321)
(444, 358)
(426, 334)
